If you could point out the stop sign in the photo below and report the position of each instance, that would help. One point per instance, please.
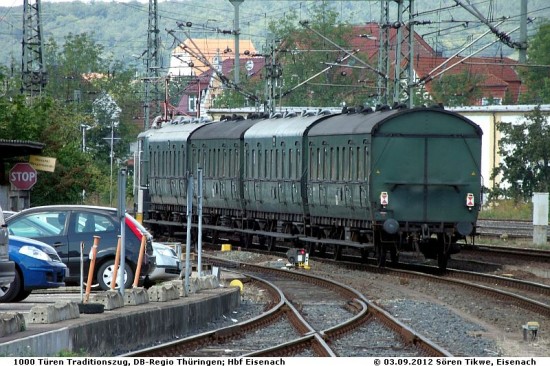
(23, 176)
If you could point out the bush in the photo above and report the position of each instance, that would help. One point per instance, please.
(507, 209)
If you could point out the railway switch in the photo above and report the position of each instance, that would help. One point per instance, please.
(530, 329)
(298, 257)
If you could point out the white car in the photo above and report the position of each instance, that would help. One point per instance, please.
(168, 264)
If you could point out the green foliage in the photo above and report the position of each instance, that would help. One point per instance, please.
(303, 55)
(84, 87)
(457, 89)
(507, 209)
(525, 152)
(537, 77)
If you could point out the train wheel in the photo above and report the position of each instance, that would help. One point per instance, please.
(364, 255)
(380, 255)
(271, 244)
(247, 239)
(394, 256)
(442, 260)
(322, 248)
(337, 252)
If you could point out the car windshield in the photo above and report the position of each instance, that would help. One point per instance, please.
(32, 227)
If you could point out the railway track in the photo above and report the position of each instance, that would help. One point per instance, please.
(507, 229)
(509, 302)
(316, 316)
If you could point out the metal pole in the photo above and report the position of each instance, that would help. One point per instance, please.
(188, 236)
(523, 32)
(236, 4)
(199, 220)
(111, 180)
(122, 216)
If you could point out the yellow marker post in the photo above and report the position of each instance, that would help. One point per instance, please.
(237, 283)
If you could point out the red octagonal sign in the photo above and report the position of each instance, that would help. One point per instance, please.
(23, 176)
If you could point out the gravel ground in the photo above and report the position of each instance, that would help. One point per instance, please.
(464, 322)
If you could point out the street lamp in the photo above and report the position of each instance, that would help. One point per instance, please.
(84, 128)
(112, 139)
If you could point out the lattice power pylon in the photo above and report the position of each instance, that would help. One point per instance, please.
(399, 68)
(153, 64)
(33, 69)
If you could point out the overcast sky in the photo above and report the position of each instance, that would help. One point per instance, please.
(10, 3)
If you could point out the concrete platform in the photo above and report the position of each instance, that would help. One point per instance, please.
(119, 330)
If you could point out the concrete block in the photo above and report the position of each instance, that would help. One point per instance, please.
(11, 323)
(111, 299)
(180, 287)
(209, 282)
(194, 286)
(163, 292)
(136, 296)
(53, 313)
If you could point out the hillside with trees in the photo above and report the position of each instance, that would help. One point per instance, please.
(121, 27)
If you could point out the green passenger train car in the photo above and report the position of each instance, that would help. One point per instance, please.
(377, 182)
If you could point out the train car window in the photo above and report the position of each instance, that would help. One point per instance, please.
(218, 163)
(298, 164)
(224, 159)
(247, 164)
(254, 164)
(345, 166)
(290, 167)
(172, 166)
(230, 163)
(332, 165)
(276, 173)
(321, 160)
(326, 165)
(163, 166)
(283, 167)
(352, 164)
(261, 164)
(178, 162)
(236, 161)
(360, 173)
(210, 161)
(196, 158)
(265, 171)
(271, 164)
(311, 160)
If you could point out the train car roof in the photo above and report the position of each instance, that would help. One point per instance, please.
(361, 123)
(174, 132)
(232, 129)
(345, 124)
(292, 126)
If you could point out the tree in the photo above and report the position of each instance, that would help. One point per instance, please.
(301, 54)
(525, 152)
(457, 89)
(84, 88)
(537, 76)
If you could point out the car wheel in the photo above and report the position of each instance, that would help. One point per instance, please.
(9, 293)
(105, 275)
(23, 294)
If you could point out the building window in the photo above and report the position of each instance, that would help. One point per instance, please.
(491, 101)
(192, 103)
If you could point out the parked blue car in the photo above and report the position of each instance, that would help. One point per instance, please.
(37, 265)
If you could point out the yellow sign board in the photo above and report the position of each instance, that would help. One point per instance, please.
(42, 163)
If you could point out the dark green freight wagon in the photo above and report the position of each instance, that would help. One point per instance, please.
(380, 182)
